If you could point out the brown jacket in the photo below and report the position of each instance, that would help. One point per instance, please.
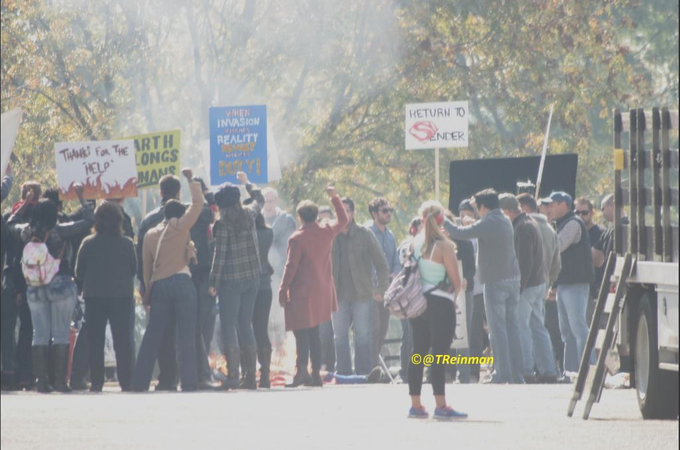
(176, 250)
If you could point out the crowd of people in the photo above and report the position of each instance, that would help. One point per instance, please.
(528, 271)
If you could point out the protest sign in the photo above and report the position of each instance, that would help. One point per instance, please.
(238, 143)
(436, 125)
(106, 169)
(10, 128)
(157, 154)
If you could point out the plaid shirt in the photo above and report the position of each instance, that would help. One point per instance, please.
(236, 257)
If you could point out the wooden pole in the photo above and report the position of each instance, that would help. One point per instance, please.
(436, 173)
(545, 152)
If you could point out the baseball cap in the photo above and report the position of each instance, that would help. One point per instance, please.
(560, 197)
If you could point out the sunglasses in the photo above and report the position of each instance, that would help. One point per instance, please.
(387, 210)
(582, 213)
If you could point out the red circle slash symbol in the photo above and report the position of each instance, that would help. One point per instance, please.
(423, 131)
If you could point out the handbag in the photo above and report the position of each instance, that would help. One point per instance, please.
(404, 298)
(147, 294)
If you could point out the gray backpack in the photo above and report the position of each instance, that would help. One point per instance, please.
(404, 298)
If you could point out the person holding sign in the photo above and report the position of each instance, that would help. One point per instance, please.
(167, 254)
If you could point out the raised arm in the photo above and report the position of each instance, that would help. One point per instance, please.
(192, 214)
(340, 211)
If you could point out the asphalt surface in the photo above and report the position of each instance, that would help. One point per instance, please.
(336, 417)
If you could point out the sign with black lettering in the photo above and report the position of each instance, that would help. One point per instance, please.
(106, 169)
(436, 125)
(157, 154)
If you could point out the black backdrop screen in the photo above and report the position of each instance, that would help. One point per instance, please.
(468, 177)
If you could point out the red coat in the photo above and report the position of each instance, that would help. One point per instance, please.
(307, 288)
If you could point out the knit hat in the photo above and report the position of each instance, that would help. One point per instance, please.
(227, 195)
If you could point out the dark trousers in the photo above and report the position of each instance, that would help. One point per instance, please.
(16, 355)
(99, 311)
(434, 331)
(205, 309)
(308, 344)
(479, 339)
(263, 306)
(327, 345)
(173, 305)
(80, 365)
(552, 323)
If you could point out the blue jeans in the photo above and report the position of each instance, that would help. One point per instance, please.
(572, 301)
(533, 333)
(52, 309)
(465, 370)
(360, 314)
(174, 297)
(502, 304)
(237, 306)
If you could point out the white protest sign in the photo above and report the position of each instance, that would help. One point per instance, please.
(10, 128)
(436, 125)
(106, 169)
(273, 164)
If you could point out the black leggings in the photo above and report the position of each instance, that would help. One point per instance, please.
(308, 343)
(435, 330)
(263, 306)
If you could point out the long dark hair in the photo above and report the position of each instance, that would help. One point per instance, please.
(44, 218)
(236, 218)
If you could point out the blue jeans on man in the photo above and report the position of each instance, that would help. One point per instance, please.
(358, 313)
(502, 304)
(536, 345)
(572, 301)
(171, 297)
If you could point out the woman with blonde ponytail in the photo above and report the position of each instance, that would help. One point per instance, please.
(433, 332)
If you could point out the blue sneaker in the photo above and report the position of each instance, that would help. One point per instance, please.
(415, 413)
(448, 413)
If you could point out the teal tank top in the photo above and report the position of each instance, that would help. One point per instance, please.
(431, 273)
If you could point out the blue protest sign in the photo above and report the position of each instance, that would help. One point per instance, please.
(238, 143)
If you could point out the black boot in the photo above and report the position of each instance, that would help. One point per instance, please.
(316, 380)
(265, 358)
(60, 355)
(9, 382)
(233, 356)
(301, 378)
(40, 355)
(250, 369)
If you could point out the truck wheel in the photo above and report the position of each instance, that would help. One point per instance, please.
(657, 390)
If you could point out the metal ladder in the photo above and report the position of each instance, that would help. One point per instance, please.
(591, 377)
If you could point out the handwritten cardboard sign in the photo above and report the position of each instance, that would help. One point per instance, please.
(158, 154)
(436, 125)
(238, 143)
(106, 169)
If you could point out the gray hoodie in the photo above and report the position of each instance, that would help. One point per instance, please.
(497, 261)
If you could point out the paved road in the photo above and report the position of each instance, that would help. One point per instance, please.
(366, 417)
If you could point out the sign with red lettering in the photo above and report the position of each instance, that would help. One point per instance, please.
(106, 169)
(436, 125)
